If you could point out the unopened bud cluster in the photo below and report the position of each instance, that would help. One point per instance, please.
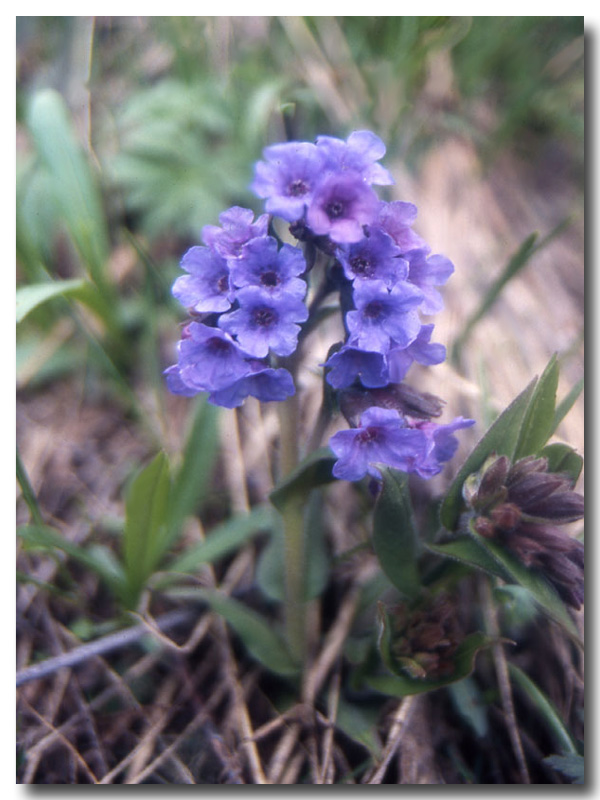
(521, 506)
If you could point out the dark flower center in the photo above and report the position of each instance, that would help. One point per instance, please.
(335, 209)
(270, 279)
(368, 435)
(264, 317)
(362, 266)
(297, 188)
(223, 283)
(374, 310)
(218, 346)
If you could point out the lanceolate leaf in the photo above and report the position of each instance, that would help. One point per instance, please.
(29, 297)
(501, 438)
(192, 479)
(95, 559)
(538, 422)
(546, 708)
(144, 535)
(395, 539)
(565, 405)
(255, 631)
(470, 552)
(542, 592)
(400, 685)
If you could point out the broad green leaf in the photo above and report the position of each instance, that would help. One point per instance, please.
(29, 297)
(572, 766)
(314, 471)
(468, 551)
(144, 535)
(543, 593)
(255, 631)
(224, 539)
(399, 685)
(562, 458)
(93, 558)
(501, 438)
(546, 709)
(395, 539)
(192, 480)
(538, 422)
(567, 404)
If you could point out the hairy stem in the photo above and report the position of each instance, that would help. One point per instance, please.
(293, 531)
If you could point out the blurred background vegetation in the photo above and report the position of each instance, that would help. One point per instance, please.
(134, 132)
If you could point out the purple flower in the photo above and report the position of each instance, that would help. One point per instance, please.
(207, 287)
(383, 318)
(238, 228)
(420, 350)
(341, 205)
(288, 177)
(351, 363)
(373, 257)
(427, 272)
(359, 153)
(208, 360)
(441, 444)
(396, 220)
(382, 438)
(175, 384)
(275, 271)
(263, 382)
(264, 322)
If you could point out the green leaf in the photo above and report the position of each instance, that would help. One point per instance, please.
(29, 297)
(468, 551)
(192, 480)
(538, 422)
(567, 404)
(543, 593)
(313, 471)
(395, 539)
(224, 539)
(92, 558)
(144, 535)
(501, 438)
(359, 722)
(546, 709)
(470, 704)
(255, 631)
(512, 268)
(73, 186)
(562, 458)
(400, 685)
(572, 766)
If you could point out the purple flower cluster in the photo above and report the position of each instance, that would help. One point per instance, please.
(247, 300)
(246, 294)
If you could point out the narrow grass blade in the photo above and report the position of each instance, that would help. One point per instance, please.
(33, 295)
(546, 708)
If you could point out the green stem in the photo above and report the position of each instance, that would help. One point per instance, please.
(293, 532)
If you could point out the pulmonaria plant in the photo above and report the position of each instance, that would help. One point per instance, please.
(246, 290)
